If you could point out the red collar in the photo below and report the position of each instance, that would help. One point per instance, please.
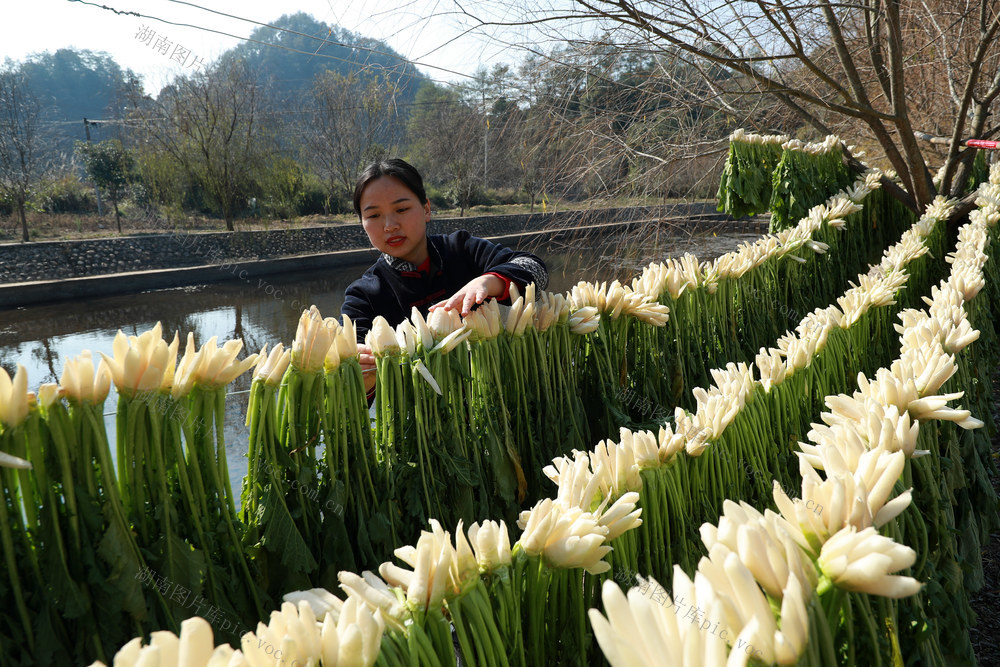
(422, 271)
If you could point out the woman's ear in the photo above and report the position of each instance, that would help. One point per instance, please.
(427, 211)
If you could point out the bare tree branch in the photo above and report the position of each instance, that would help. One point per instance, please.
(874, 69)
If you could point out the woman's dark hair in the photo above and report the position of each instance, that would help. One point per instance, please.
(400, 169)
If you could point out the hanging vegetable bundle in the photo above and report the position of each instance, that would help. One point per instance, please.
(745, 186)
(806, 175)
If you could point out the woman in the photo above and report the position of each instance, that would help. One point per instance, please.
(456, 270)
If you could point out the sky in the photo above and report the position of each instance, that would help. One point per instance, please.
(424, 31)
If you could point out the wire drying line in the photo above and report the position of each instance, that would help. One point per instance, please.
(402, 59)
(322, 40)
(228, 394)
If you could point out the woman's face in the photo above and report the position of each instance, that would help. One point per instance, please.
(395, 220)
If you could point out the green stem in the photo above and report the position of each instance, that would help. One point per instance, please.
(12, 568)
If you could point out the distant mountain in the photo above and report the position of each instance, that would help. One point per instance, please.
(72, 85)
(76, 84)
(291, 61)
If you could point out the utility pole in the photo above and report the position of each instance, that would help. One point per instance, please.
(97, 190)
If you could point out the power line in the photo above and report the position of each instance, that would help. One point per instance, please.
(322, 40)
(123, 12)
(280, 112)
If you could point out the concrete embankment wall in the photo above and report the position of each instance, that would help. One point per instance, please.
(54, 270)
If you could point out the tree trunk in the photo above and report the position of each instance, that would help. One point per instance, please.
(238, 328)
(118, 216)
(24, 221)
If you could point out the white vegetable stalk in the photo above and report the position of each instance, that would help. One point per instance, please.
(271, 367)
(13, 398)
(445, 578)
(320, 600)
(764, 546)
(194, 648)
(81, 382)
(863, 561)
(648, 628)
(567, 537)
(313, 338)
(381, 338)
(556, 542)
(375, 593)
(293, 634)
(439, 568)
(584, 320)
(491, 544)
(140, 363)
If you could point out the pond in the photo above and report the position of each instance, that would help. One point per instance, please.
(260, 311)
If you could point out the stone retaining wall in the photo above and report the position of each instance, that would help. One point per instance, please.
(53, 260)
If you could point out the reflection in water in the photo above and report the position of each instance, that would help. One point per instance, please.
(266, 310)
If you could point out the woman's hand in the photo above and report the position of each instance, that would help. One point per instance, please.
(367, 361)
(474, 292)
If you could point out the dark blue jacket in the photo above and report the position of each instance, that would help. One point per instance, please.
(392, 287)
